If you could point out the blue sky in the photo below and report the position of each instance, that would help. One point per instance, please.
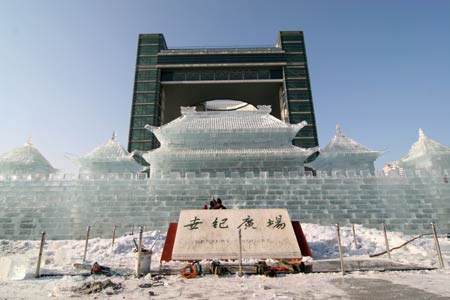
(379, 68)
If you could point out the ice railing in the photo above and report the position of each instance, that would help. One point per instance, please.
(295, 174)
(207, 175)
(73, 177)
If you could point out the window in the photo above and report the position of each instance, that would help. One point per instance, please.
(147, 75)
(296, 83)
(148, 50)
(147, 60)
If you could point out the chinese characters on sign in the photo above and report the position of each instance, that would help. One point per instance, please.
(214, 234)
(277, 223)
(193, 224)
(247, 223)
(221, 224)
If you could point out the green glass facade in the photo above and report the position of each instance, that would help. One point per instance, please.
(299, 103)
(158, 67)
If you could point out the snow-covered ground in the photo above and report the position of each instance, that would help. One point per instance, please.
(18, 264)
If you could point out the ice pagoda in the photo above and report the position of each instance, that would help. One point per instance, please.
(426, 154)
(226, 141)
(25, 160)
(110, 157)
(344, 154)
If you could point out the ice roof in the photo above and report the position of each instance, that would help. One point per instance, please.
(226, 120)
(109, 151)
(26, 160)
(425, 146)
(342, 144)
(110, 157)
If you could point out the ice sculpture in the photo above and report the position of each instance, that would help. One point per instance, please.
(226, 141)
(110, 157)
(227, 104)
(25, 160)
(344, 154)
(426, 154)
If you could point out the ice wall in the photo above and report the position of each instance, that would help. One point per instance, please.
(63, 205)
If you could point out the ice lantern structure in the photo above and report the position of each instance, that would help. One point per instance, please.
(110, 157)
(344, 154)
(227, 142)
(25, 160)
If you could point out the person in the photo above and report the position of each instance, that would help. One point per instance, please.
(205, 206)
(219, 204)
(212, 203)
(98, 269)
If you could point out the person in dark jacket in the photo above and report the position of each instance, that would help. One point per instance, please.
(219, 204)
(212, 203)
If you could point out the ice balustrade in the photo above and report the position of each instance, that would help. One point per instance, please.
(200, 175)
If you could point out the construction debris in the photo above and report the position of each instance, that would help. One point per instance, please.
(97, 286)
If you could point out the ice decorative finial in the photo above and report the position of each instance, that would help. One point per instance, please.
(151, 128)
(421, 133)
(338, 130)
(185, 110)
(29, 142)
(114, 136)
(266, 109)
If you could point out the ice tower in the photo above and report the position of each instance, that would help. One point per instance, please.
(25, 160)
(110, 157)
(426, 154)
(344, 154)
(227, 141)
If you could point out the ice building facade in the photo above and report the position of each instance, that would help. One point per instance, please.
(63, 204)
(227, 141)
(342, 154)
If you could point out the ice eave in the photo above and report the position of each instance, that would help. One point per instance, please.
(369, 154)
(290, 151)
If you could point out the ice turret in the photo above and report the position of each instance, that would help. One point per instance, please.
(227, 141)
(344, 154)
(110, 157)
(426, 154)
(25, 160)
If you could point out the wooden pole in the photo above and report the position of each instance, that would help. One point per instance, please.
(386, 241)
(354, 236)
(340, 248)
(88, 230)
(41, 249)
(114, 236)
(240, 254)
(138, 264)
(438, 247)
